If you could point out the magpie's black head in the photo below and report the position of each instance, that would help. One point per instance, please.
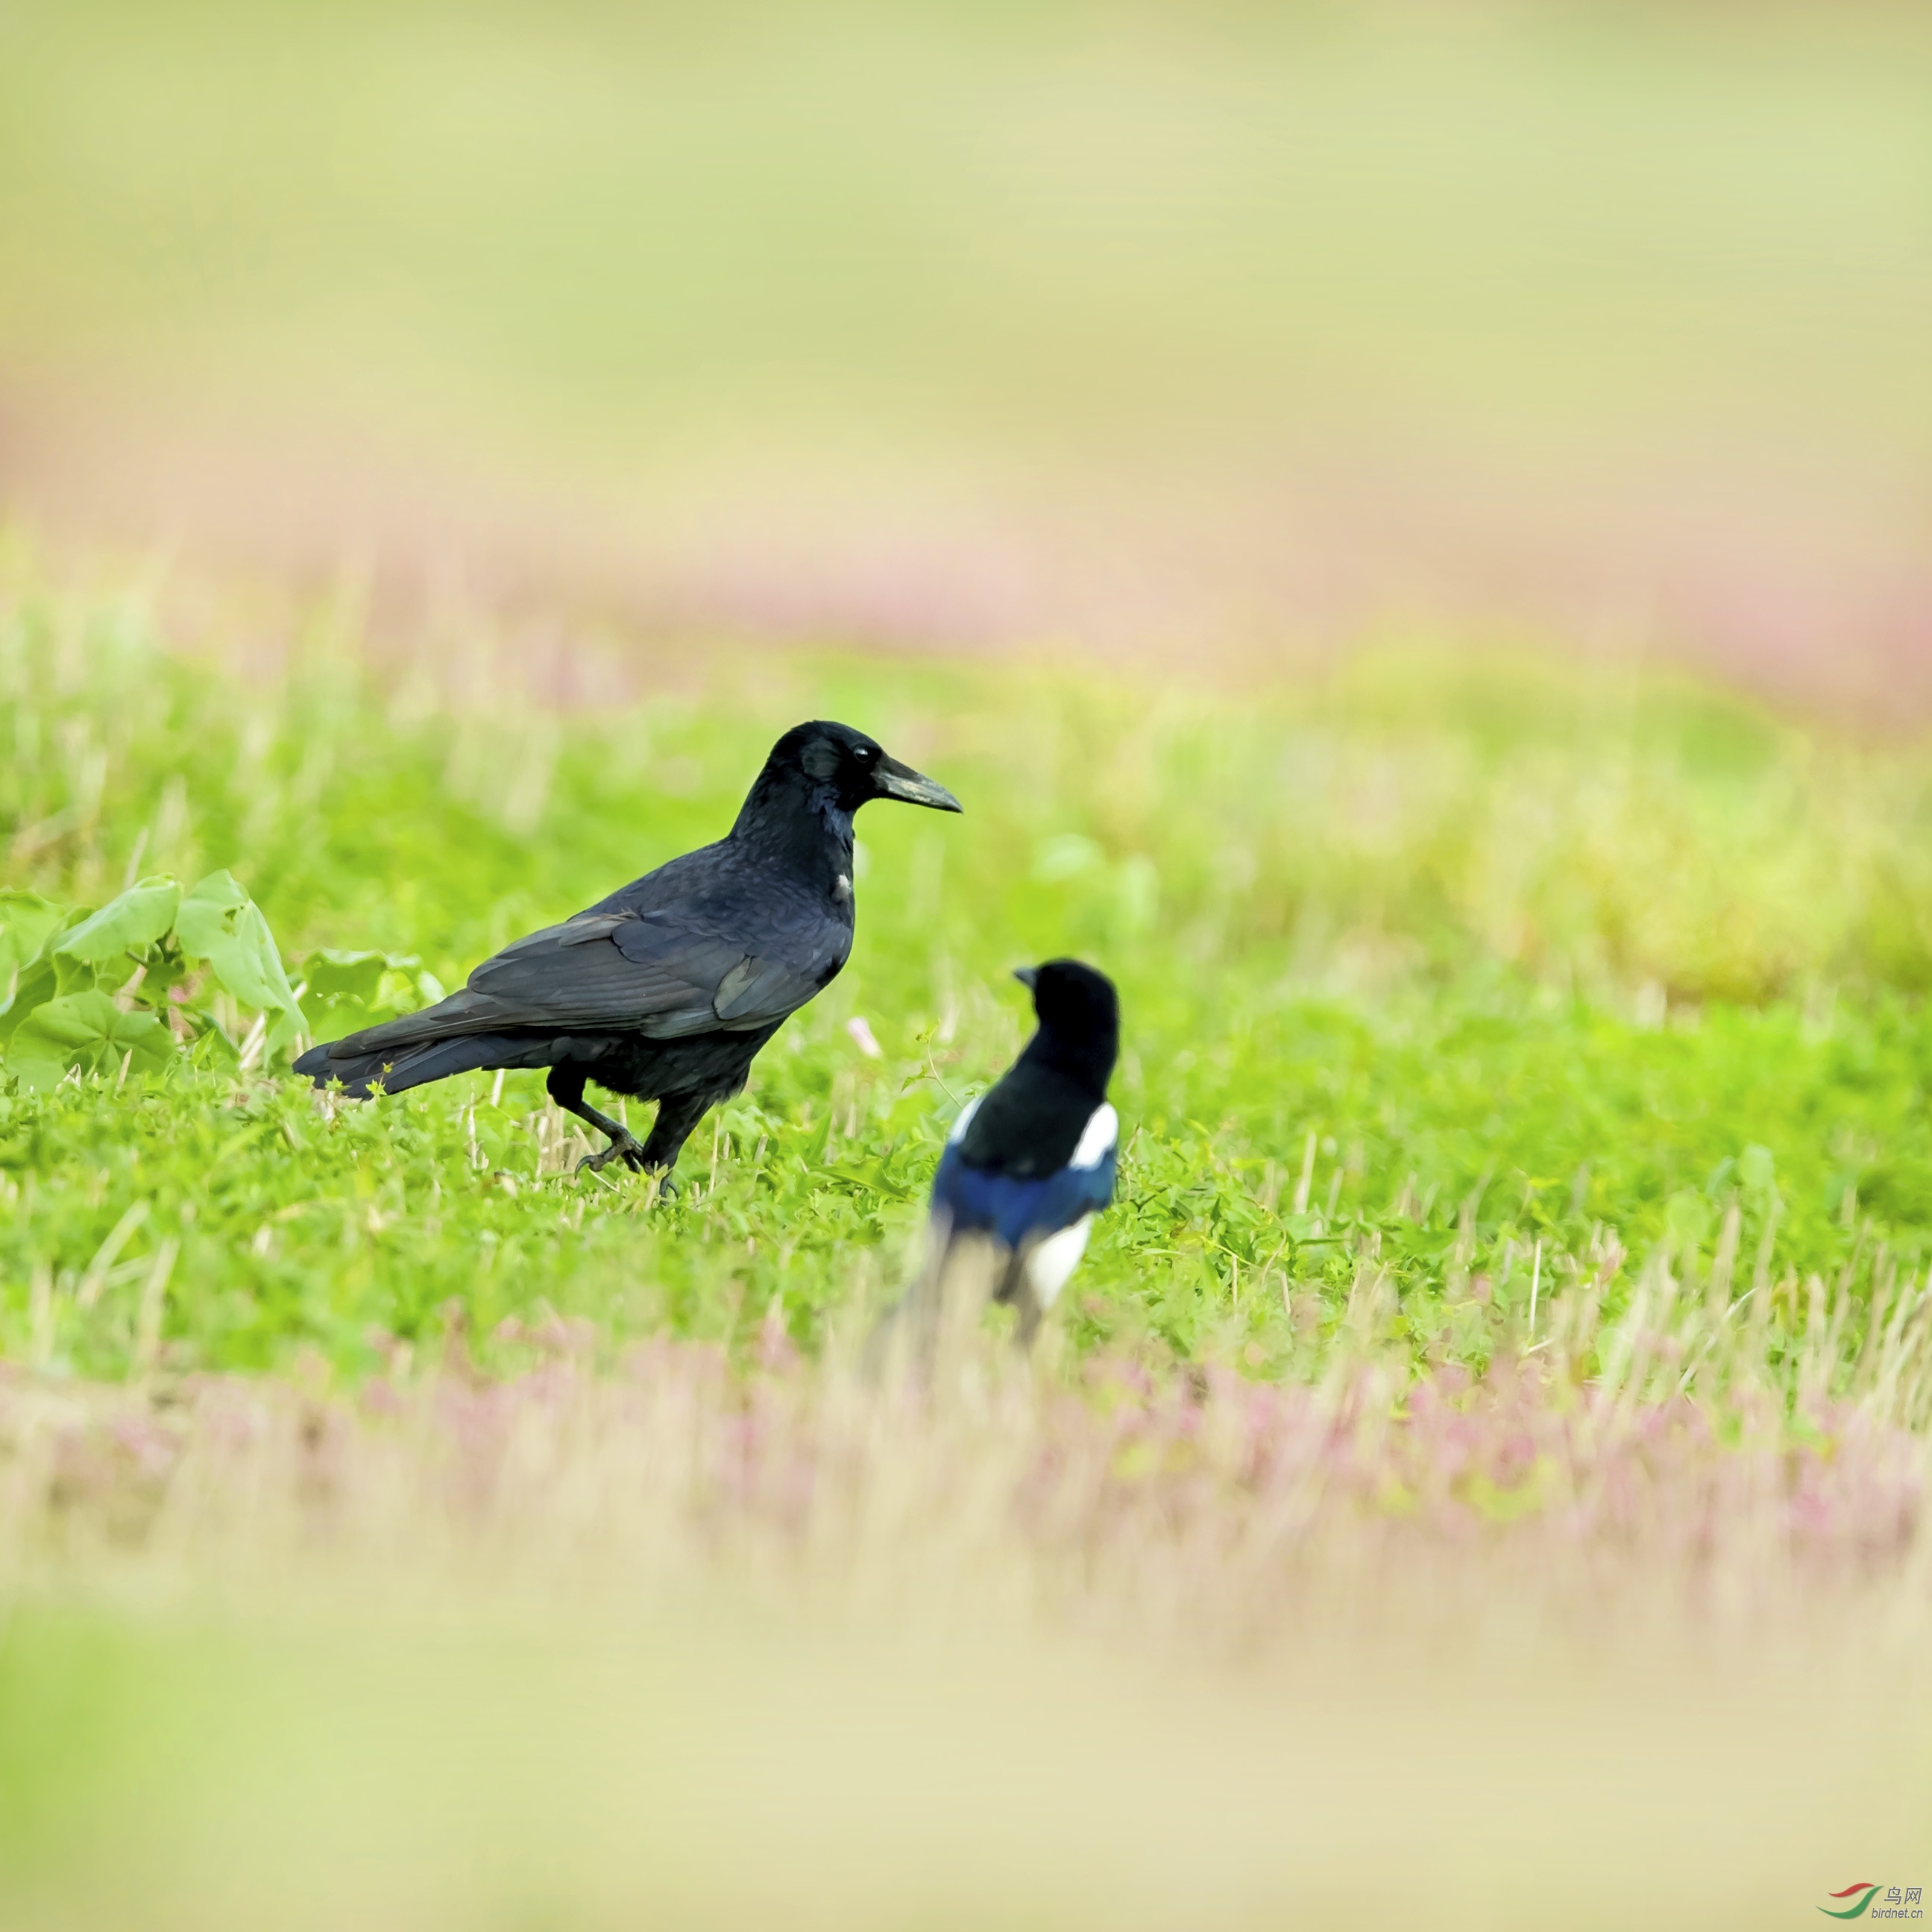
(846, 766)
(1079, 1016)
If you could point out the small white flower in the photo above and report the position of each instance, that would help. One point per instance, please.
(862, 1034)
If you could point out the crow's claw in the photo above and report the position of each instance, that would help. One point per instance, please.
(631, 1152)
(627, 1150)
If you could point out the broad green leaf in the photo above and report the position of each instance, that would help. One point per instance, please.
(27, 922)
(87, 1030)
(56, 972)
(205, 919)
(343, 991)
(336, 1020)
(73, 974)
(346, 990)
(403, 991)
(334, 976)
(139, 916)
(219, 922)
(33, 987)
(249, 966)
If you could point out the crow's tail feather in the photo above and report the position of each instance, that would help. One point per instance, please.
(400, 1066)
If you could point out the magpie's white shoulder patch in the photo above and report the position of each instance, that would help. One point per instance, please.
(1098, 1138)
(965, 1121)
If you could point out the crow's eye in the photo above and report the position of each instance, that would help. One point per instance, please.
(862, 753)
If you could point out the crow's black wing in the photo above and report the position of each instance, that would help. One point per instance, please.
(664, 976)
(661, 975)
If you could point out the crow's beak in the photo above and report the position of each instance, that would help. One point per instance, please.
(1027, 975)
(894, 780)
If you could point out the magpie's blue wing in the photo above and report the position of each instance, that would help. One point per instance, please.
(1017, 1212)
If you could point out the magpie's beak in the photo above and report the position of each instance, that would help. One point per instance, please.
(1027, 975)
(891, 779)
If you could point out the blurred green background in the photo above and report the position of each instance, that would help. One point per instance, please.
(980, 322)
(645, 221)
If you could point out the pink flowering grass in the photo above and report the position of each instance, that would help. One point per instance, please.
(1189, 1507)
(695, 1643)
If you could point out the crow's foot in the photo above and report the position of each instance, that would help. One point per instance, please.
(630, 1150)
(626, 1147)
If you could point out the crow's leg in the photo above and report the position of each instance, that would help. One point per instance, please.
(677, 1115)
(565, 1086)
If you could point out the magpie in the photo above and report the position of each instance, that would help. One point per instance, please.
(1030, 1162)
(666, 990)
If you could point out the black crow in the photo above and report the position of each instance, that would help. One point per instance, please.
(667, 989)
(1031, 1161)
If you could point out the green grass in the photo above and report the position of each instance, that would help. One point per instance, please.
(1449, 975)
(1443, 976)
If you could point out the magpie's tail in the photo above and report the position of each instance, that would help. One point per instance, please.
(963, 1269)
(1015, 1292)
(399, 1066)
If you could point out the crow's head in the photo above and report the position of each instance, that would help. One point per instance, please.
(852, 769)
(1079, 1013)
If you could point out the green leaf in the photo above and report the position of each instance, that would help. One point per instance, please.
(218, 922)
(27, 922)
(139, 917)
(874, 1179)
(402, 990)
(81, 976)
(334, 976)
(34, 988)
(344, 991)
(209, 1046)
(87, 1030)
(205, 920)
(53, 969)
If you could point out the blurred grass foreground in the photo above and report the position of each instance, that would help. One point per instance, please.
(1483, 1473)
